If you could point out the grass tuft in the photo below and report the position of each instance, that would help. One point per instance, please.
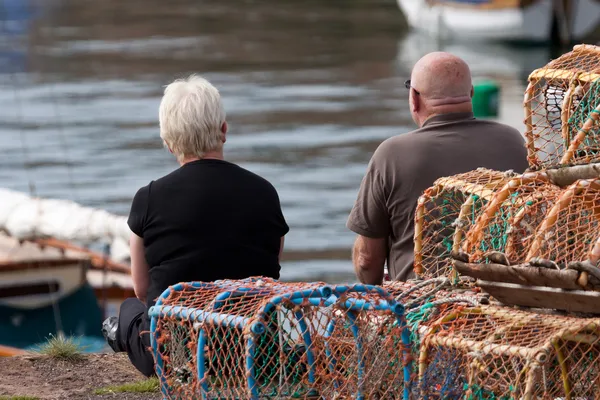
(61, 348)
(19, 398)
(150, 385)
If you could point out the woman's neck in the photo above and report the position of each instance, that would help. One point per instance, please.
(211, 155)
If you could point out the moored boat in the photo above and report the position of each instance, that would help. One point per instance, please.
(6, 351)
(49, 287)
(506, 20)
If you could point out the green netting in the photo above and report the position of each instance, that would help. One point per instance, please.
(589, 149)
(500, 229)
(477, 392)
(272, 374)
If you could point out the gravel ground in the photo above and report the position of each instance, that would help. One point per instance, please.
(45, 378)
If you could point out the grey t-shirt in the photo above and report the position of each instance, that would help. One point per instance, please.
(404, 166)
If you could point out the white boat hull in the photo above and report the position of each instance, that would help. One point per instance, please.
(34, 276)
(495, 60)
(67, 279)
(533, 23)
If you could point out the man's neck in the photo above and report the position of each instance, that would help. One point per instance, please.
(463, 108)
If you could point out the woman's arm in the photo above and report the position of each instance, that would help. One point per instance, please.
(139, 267)
(281, 246)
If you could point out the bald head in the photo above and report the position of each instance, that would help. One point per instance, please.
(442, 84)
(442, 79)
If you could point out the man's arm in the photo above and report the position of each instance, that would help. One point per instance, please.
(139, 267)
(368, 257)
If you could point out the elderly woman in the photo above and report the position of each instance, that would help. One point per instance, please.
(209, 219)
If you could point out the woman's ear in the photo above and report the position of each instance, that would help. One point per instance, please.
(224, 128)
(165, 144)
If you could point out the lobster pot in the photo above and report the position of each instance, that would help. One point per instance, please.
(424, 303)
(561, 110)
(502, 353)
(570, 232)
(507, 225)
(259, 338)
(437, 232)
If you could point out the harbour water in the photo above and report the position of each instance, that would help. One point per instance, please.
(311, 88)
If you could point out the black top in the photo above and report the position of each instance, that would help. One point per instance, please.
(208, 220)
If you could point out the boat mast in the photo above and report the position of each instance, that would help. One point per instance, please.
(562, 13)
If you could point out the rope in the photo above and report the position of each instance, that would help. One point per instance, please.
(20, 123)
(441, 283)
(27, 168)
(451, 300)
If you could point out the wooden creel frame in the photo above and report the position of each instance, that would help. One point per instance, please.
(444, 213)
(505, 228)
(569, 236)
(560, 269)
(561, 106)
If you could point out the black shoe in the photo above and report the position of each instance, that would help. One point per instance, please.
(109, 331)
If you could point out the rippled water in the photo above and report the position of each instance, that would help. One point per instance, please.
(311, 88)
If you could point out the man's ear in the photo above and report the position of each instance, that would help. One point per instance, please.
(224, 129)
(414, 103)
(472, 91)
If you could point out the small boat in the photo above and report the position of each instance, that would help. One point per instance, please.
(504, 20)
(49, 287)
(6, 351)
(485, 59)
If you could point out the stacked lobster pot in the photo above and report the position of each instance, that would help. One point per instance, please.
(497, 352)
(530, 240)
(444, 214)
(562, 110)
(536, 244)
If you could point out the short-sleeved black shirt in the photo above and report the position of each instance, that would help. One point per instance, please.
(208, 220)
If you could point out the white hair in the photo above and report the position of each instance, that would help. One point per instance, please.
(191, 117)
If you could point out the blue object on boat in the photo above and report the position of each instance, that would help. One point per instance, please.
(79, 313)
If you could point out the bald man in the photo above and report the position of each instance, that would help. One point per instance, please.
(449, 141)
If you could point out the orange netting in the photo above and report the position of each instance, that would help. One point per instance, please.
(562, 105)
(424, 301)
(445, 212)
(259, 338)
(507, 225)
(570, 232)
(491, 352)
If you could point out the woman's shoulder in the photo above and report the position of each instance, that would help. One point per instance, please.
(144, 191)
(209, 174)
(235, 171)
(256, 178)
